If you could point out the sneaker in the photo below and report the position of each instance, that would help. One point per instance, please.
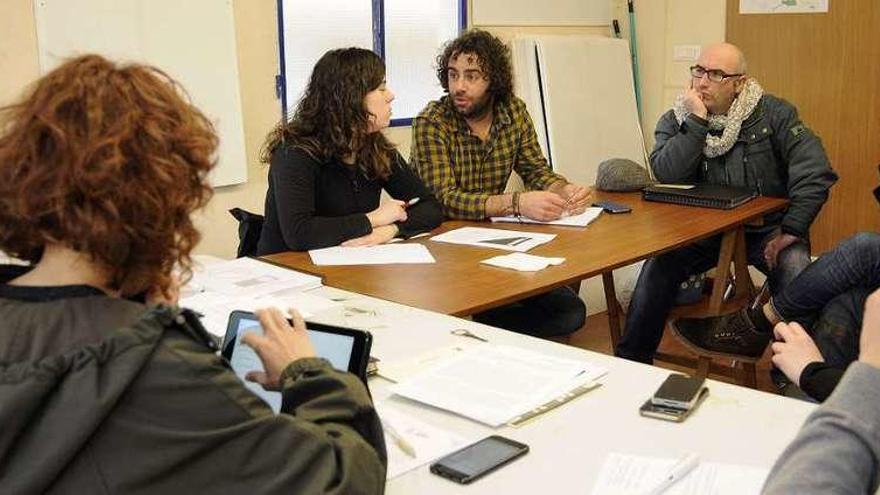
(732, 335)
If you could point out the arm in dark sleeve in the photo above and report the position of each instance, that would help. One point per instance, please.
(809, 172)
(404, 184)
(819, 379)
(293, 174)
(837, 449)
(678, 149)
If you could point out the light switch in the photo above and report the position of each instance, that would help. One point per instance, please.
(685, 53)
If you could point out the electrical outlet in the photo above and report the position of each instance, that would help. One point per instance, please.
(685, 53)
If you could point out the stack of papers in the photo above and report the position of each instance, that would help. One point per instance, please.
(383, 254)
(510, 240)
(494, 384)
(581, 220)
(248, 284)
(636, 475)
(523, 262)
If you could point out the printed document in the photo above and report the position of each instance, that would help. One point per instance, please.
(636, 475)
(581, 220)
(384, 254)
(429, 442)
(510, 240)
(493, 384)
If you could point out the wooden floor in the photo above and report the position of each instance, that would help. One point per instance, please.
(594, 336)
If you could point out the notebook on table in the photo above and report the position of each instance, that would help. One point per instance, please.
(703, 195)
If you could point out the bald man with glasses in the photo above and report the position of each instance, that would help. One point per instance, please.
(723, 129)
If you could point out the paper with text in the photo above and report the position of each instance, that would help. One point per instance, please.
(510, 240)
(428, 441)
(493, 384)
(624, 474)
(384, 254)
(580, 220)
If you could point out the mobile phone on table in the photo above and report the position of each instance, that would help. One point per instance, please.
(651, 410)
(612, 207)
(478, 459)
(678, 391)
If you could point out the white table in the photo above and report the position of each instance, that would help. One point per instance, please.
(569, 444)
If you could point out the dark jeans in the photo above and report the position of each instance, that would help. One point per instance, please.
(839, 327)
(557, 312)
(854, 263)
(655, 290)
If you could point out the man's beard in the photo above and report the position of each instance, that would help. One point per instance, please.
(479, 109)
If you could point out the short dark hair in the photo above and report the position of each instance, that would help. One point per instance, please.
(493, 57)
(331, 121)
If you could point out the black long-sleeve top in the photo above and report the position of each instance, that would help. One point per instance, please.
(313, 204)
(819, 379)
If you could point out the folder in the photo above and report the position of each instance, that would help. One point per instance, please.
(702, 195)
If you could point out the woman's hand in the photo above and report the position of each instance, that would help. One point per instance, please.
(794, 350)
(278, 346)
(379, 235)
(388, 213)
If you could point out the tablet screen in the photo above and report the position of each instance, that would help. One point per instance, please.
(333, 347)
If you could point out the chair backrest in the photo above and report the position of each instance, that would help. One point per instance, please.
(250, 225)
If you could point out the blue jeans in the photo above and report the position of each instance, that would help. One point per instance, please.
(854, 263)
(557, 312)
(655, 290)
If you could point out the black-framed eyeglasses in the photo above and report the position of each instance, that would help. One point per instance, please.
(715, 75)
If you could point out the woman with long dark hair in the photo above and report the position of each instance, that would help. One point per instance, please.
(330, 162)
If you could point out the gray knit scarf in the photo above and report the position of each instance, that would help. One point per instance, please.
(729, 124)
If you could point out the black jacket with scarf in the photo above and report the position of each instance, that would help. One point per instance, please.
(774, 155)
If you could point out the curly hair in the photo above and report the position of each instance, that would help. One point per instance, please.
(109, 161)
(331, 121)
(493, 57)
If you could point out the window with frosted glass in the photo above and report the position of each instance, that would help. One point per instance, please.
(414, 32)
(312, 27)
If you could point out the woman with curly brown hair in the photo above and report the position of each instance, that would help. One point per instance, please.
(330, 162)
(102, 390)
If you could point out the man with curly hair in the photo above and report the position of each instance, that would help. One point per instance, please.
(465, 146)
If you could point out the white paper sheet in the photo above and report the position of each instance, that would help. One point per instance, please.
(624, 474)
(216, 306)
(581, 220)
(783, 6)
(523, 262)
(384, 254)
(494, 384)
(509, 240)
(248, 276)
(428, 441)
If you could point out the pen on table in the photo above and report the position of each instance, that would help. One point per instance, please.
(678, 471)
(399, 440)
(411, 202)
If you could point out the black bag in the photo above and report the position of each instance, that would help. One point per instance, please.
(250, 225)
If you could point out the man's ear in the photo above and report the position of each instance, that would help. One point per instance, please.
(739, 83)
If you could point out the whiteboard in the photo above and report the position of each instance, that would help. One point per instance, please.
(589, 102)
(193, 41)
(537, 13)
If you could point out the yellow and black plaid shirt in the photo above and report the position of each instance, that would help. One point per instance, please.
(462, 170)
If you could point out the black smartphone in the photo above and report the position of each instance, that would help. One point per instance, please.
(477, 459)
(612, 207)
(678, 391)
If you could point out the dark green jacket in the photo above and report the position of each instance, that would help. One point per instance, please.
(102, 395)
(774, 155)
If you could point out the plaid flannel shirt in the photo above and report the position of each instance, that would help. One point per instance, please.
(462, 170)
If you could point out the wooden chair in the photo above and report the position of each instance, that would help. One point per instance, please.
(733, 250)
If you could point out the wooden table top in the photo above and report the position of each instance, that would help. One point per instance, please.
(458, 284)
